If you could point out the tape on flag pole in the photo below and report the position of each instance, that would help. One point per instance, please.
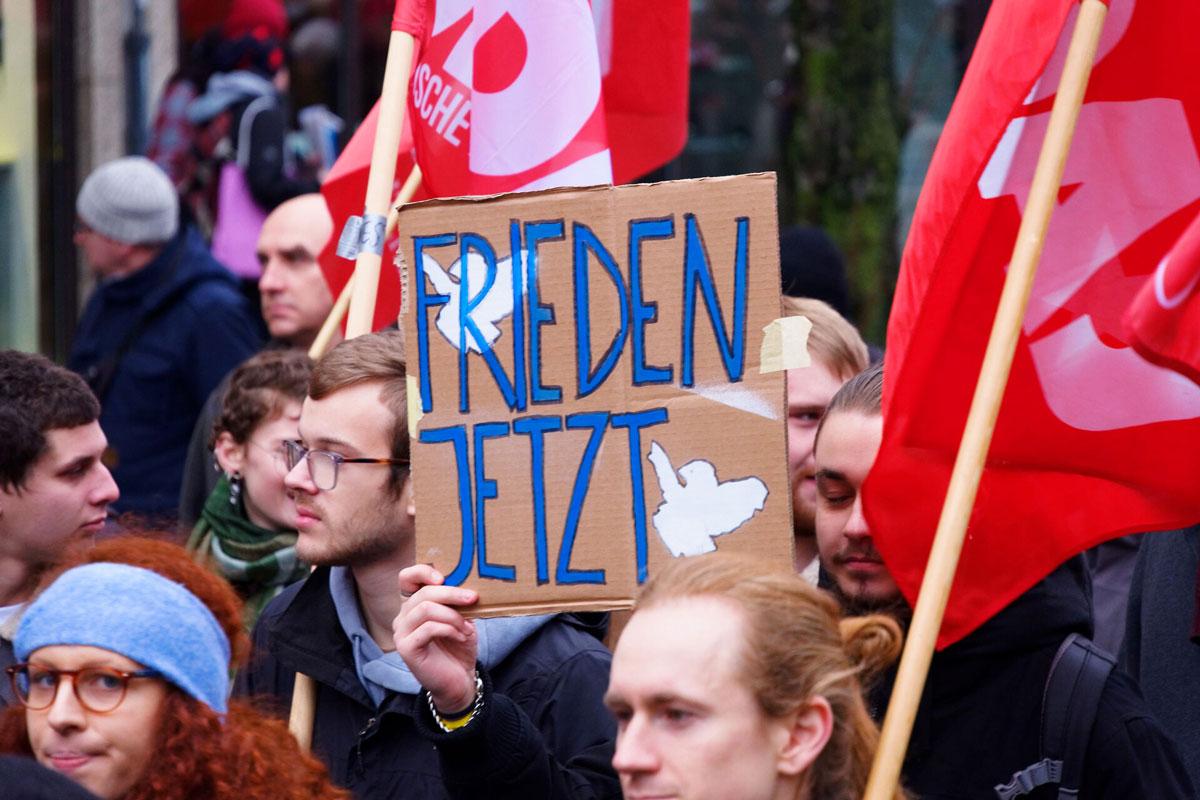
(365, 234)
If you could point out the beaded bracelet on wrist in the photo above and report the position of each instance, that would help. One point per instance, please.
(449, 725)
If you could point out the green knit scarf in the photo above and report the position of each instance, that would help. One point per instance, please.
(258, 562)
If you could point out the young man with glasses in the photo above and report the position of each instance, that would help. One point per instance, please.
(538, 726)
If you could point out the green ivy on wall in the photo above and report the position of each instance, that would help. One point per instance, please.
(841, 160)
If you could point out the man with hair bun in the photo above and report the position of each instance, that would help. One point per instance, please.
(979, 727)
(733, 680)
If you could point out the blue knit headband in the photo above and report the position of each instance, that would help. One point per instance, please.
(138, 614)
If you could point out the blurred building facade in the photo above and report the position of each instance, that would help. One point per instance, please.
(73, 75)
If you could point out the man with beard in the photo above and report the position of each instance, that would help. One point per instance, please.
(534, 724)
(979, 722)
(838, 354)
(54, 488)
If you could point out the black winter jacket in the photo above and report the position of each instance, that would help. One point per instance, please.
(1161, 652)
(979, 717)
(544, 732)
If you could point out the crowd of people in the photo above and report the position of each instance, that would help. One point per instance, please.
(193, 512)
(164, 665)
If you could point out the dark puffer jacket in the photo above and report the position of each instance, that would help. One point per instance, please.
(544, 732)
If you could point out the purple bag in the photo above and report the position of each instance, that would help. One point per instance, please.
(239, 221)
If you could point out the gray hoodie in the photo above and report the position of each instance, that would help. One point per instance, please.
(381, 672)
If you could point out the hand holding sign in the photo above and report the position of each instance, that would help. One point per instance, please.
(436, 643)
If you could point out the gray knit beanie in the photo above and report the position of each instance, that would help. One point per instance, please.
(130, 200)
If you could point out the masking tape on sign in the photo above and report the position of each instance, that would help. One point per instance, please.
(414, 404)
(785, 344)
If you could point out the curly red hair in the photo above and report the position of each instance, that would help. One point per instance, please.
(249, 756)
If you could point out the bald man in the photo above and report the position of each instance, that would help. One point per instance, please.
(295, 297)
(295, 302)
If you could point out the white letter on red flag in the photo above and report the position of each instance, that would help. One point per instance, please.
(1092, 441)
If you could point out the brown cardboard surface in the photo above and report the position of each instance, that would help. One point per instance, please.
(718, 444)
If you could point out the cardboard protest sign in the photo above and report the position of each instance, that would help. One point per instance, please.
(586, 400)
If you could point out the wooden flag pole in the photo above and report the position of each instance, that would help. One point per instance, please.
(304, 711)
(985, 405)
(393, 101)
(411, 184)
(332, 322)
(338, 313)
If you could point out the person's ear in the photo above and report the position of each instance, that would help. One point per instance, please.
(230, 455)
(807, 732)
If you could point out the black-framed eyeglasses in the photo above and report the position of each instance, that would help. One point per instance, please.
(323, 465)
(98, 689)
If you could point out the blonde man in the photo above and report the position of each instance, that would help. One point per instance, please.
(838, 353)
(732, 680)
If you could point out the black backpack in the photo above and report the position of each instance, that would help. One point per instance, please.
(1069, 703)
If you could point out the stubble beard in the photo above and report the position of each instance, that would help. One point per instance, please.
(862, 603)
(369, 535)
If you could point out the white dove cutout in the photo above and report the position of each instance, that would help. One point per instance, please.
(495, 305)
(701, 508)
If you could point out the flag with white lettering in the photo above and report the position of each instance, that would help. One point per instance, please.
(637, 120)
(1092, 441)
(516, 96)
(1163, 324)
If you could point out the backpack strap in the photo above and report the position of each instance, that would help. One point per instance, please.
(255, 107)
(1078, 673)
(1077, 679)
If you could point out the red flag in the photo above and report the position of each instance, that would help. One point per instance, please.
(409, 17)
(345, 187)
(1163, 324)
(510, 95)
(1092, 441)
(644, 51)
